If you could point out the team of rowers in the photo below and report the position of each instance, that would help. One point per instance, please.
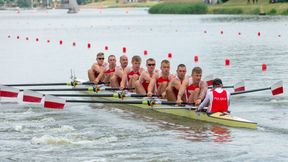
(150, 81)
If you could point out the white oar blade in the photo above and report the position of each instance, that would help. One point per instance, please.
(10, 92)
(52, 102)
(31, 96)
(277, 88)
(209, 80)
(240, 86)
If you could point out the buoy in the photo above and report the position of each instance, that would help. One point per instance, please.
(227, 62)
(169, 55)
(89, 45)
(279, 35)
(205, 31)
(195, 58)
(48, 41)
(60, 42)
(239, 33)
(222, 32)
(259, 34)
(18, 37)
(124, 49)
(106, 48)
(264, 67)
(9, 36)
(74, 44)
(27, 38)
(145, 52)
(37, 39)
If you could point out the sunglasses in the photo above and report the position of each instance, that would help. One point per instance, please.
(151, 64)
(101, 58)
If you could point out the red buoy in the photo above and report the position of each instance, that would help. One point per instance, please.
(106, 48)
(18, 37)
(9, 36)
(264, 67)
(145, 52)
(239, 33)
(74, 44)
(48, 41)
(259, 34)
(169, 55)
(37, 39)
(27, 38)
(60, 42)
(222, 32)
(227, 62)
(89, 45)
(124, 49)
(195, 58)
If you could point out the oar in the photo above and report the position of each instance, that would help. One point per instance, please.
(115, 95)
(149, 102)
(276, 88)
(72, 83)
(89, 89)
(240, 86)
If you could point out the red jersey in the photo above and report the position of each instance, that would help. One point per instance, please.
(219, 102)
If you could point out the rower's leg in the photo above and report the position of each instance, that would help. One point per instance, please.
(170, 93)
(114, 81)
(139, 88)
(162, 88)
(91, 75)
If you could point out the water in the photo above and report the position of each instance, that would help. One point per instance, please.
(83, 132)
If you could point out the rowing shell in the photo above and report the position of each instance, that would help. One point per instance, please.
(219, 117)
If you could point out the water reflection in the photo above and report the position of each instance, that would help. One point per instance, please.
(215, 133)
(255, 18)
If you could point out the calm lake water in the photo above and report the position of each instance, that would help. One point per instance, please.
(83, 132)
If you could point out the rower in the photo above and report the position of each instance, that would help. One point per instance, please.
(119, 70)
(109, 72)
(217, 98)
(194, 87)
(131, 74)
(161, 81)
(96, 72)
(145, 77)
(175, 84)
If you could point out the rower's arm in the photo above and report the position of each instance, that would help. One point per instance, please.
(203, 90)
(205, 102)
(182, 89)
(101, 74)
(124, 78)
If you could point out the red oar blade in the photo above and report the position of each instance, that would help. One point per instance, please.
(31, 96)
(52, 102)
(209, 80)
(240, 86)
(277, 88)
(10, 92)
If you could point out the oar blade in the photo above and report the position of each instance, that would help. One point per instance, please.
(209, 80)
(240, 86)
(31, 96)
(277, 88)
(9, 92)
(52, 102)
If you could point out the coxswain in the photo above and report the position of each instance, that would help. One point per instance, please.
(217, 99)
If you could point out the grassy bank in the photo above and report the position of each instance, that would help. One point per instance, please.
(179, 8)
(230, 7)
